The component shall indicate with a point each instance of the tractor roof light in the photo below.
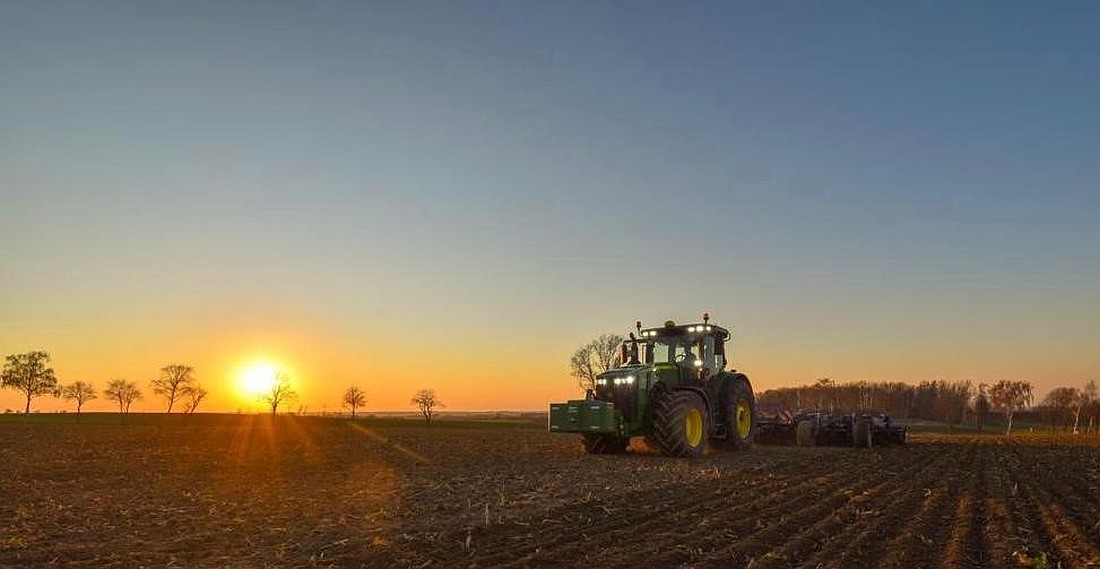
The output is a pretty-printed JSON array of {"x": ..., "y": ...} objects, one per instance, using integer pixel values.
[{"x": 706, "y": 318}]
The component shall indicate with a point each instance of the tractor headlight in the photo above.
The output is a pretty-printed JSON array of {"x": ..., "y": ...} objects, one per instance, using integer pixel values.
[
  {"x": 601, "y": 382},
  {"x": 698, "y": 363},
  {"x": 628, "y": 380}
]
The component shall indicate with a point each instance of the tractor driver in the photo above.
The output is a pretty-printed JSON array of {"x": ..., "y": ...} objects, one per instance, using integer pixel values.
[{"x": 688, "y": 357}]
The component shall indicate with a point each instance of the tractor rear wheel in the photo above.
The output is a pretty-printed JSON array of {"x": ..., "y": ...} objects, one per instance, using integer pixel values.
[
  {"x": 804, "y": 435},
  {"x": 605, "y": 444},
  {"x": 861, "y": 434},
  {"x": 739, "y": 412},
  {"x": 681, "y": 424}
]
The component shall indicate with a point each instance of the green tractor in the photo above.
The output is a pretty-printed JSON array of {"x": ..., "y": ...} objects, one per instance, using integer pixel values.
[{"x": 671, "y": 386}]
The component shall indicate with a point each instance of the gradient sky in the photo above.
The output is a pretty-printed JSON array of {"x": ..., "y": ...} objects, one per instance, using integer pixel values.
[{"x": 456, "y": 195}]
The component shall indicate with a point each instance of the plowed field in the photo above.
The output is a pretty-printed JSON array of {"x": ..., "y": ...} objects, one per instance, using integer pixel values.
[{"x": 255, "y": 491}]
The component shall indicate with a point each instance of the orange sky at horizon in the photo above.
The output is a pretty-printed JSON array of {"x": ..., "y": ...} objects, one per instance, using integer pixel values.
[{"x": 505, "y": 376}]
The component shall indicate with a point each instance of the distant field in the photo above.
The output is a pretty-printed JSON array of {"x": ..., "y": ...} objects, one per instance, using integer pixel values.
[{"x": 256, "y": 491}]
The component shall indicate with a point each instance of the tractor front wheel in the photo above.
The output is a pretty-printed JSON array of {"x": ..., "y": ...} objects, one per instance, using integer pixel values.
[
  {"x": 739, "y": 413},
  {"x": 681, "y": 424},
  {"x": 604, "y": 444}
]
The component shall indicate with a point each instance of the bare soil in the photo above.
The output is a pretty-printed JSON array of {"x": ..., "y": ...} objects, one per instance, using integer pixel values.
[{"x": 257, "y": 491}]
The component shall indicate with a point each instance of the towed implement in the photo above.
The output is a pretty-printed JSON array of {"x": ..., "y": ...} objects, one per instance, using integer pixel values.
[
  {"x": 670, "y": 386},
  {"x": 811, "y": 428}
]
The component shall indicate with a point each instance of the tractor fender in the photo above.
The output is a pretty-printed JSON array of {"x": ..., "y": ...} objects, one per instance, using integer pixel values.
[
  {"x": 702, "y": 393},
  {"x": 742, "y": 377},
  {"x": 727, "y": 378}
]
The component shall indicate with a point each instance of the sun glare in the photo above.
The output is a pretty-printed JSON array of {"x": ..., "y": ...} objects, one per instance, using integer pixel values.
[{"x": 258, "y": 379}]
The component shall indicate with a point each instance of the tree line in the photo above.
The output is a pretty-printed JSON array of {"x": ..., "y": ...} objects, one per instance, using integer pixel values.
[
  {"x": 31, "y": 374},
  {"x": 950, "y": 402}
]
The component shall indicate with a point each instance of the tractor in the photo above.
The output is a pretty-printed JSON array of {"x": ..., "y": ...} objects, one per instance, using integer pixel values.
[{"x": 669, "y": 385}]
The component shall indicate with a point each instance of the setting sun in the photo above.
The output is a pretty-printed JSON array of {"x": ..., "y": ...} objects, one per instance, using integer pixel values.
[{"x": 257, "y": 379}]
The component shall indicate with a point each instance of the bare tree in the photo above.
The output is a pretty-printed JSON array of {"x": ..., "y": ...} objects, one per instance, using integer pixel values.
[
  {"x": 79, "y": 391},
  {"x": 279, "y": 392},
  {"x": 594, "y": 358},
  {"x": 1088, "y": 400},
  {"x": 173, "y": 382},
  {"x": 824, "y": 390},
  {"x": 1061, "y": 402},
  {"x": 122, "y": 392},
  {"x": 354, "y": 398},
  {"x": 192, "y": 396},
  {"x": 951, "y": 400},
  {"x": 28, "y": 373},
  {"x": 981, "y": 406},
  {"x": 1010, "y": 396},
  {"x": 426, "y": 400}
]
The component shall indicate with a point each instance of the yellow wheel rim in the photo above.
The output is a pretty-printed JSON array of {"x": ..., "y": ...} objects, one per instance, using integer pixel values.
[
  {"x": 744, "y": 420},
  {"x": 693, "y": 427}
]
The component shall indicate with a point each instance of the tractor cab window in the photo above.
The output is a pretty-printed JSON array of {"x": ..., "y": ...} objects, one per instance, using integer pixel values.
[
  {"x": 677, "y": 350},
  {"x": 708, "y": 354},
  {"x": 664, "y": 350},
  {"x": 688, "y": 352}
]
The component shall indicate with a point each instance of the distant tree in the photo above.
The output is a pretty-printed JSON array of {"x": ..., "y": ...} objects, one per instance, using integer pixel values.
[
  {"x": 29, "y": 373},
  {"x": 594, "y": 358},
  {"x": 192, "y": 396},
  {"x": 354, "y": 398},
  {"x": 79, "y": 391},
  {"x": 427, "y": 401},
  {"x": 951, "y": 400},
  {"x": 1061, "y": 402},
  {"x": 122, "y": 392},
  {"x": 1010, "y": 396},
  {"x": 1088, "y": 400},
  {"x": 279, "y": 392},
  {"x": 173, "y": 382},
  {"x": 981, "y": 406},
  {"x": 825, "y": 396}
]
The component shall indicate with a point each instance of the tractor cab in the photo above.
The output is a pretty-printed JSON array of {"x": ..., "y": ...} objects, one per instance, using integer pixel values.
[{"x": 698, "y": 346}]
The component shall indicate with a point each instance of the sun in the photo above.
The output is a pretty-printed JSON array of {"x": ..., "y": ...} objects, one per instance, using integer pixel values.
[{"x": 258, "y": 379}]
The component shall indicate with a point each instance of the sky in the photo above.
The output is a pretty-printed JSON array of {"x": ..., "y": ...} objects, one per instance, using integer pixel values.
[{"x": 456, "y": 195}]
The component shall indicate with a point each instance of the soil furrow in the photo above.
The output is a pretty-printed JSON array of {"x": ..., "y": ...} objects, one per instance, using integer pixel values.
[
  {"x": 845, "y": 533},
  {"x": 664, "y": 510}
]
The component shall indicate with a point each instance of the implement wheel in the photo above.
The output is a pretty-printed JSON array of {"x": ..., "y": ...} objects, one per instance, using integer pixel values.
[
  {"x": 680, "y": 424},
  {"x": 739, "y": 412},
  {"x": 861, "y": 434},
  {"x": 804, "y": 435},
  {"x": 605, "y": 444}
]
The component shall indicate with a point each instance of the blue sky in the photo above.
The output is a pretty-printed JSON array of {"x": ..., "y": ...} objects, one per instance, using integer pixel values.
[{"x": 901, "y": 191}]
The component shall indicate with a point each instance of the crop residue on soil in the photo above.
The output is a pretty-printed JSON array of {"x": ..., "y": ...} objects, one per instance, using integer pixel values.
[{"x": 261, "y": 491}]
